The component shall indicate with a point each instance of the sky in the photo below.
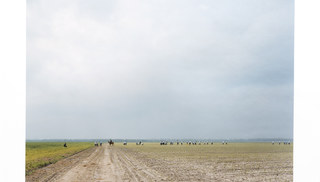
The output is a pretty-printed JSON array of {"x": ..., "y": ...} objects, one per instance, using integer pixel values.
[{"x": 160, "y": 69}]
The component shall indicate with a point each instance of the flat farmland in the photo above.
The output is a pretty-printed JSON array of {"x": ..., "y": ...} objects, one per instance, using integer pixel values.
[
  {"x": 231, "y": 162},
  {"x": 155, "y": 162}
]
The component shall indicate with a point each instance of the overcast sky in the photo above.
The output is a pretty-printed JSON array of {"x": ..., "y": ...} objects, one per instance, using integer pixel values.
[{"x": 159, "y": 69}]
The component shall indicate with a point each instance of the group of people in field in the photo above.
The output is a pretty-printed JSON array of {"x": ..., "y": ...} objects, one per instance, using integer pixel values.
[
  {"x": 97, "y": 144},
  {"x": 191, "y": 143},
  {"x": 285, "y": 143},
  {"x": 111, "y": 143},
  {"x": 100, "y": 143},
  {"x": 207, "y": 143}
]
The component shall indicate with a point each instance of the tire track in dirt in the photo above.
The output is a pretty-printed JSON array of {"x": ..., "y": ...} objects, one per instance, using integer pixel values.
[
  {"x": 132, "y": 169},
  {"x": 144, "y": 170},
  {"x": 127, "y": 170},
  {"x": 107, "y": 163},
  {"x": 93, "y": 168}
]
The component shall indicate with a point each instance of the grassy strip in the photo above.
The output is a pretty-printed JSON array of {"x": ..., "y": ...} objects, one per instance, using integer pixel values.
[{"x": 40, "y": 154}]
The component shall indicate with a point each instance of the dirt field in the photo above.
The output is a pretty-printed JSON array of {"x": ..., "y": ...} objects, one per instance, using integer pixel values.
[{"x": 152, "y": 162}]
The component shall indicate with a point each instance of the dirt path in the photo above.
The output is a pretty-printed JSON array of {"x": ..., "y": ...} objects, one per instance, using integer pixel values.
[
  {"x": 96, "y": 167},
  {"x": 98, "y": 164}
]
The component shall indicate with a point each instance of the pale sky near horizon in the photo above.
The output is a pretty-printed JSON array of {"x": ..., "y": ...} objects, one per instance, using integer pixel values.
[{"x": 160, "y": 69}]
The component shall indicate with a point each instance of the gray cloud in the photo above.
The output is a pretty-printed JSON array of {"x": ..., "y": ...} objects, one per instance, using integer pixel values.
[{"x": 154, "y": 69}]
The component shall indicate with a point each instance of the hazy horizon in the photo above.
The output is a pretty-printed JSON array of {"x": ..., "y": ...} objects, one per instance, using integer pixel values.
[
  {"x": 154, "y": 69},
  {"x": 168, "y": 139}
]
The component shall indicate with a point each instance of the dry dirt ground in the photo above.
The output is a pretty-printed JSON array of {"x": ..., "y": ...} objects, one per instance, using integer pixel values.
[
  {"x": 97, "y": 164},
  {"x": 111, "y": 163}
]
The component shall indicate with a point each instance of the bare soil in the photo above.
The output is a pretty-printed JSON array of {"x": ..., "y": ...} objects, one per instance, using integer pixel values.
[
  {"x": 110, "y": 163},
  {"x": 104, "y": 163}
]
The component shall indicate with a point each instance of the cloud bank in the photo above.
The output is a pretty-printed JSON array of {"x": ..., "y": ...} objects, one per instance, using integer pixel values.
[{"x": 159, "y": 69}]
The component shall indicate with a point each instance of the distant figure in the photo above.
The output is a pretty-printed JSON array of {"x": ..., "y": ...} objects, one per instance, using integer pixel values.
[
  {"x": 110, "y": 142},
  {"x": 272, "y": 142},
  {"x": 222, "y": 142},
  {"x": 65, "y": 144},
  {"x": 139, "y": 143},
  {"x": 100, "y": 143},
  {"x": 124, "y": 143}
]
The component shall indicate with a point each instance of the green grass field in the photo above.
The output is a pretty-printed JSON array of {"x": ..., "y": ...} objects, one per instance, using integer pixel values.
[{"x": 40, "y": 154}]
